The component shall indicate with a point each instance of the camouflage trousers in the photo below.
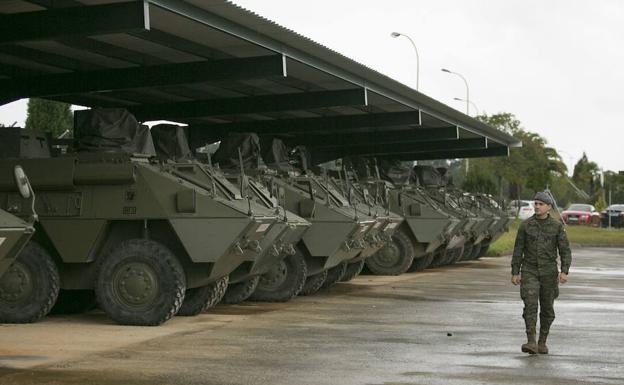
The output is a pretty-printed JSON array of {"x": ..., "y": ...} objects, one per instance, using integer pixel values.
[{"x": 539, "y": 291}]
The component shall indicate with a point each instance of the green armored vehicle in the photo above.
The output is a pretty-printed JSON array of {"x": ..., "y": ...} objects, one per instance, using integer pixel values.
[
  {"x": 338, "y": 230},
  {"x": 17, "y": 258},
  {"x": 14, "y": 232},
  {"x": 434, "y": 229},
  {"x": 139, "y": 232},
  {"x": 498, "y": 228},
  {"x": 368, "y": 193},
  {"x": 266, "y": 269},
  {"x": 473, "y": 227}
]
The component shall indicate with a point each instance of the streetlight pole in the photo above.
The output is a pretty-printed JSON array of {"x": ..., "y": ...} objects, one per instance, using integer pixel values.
[
  {"x": 471, "y": 103},
  {"x": 467, "y": 103},
  {"x": 467, "y": 88},
  {"x": 397, "y": 34}
]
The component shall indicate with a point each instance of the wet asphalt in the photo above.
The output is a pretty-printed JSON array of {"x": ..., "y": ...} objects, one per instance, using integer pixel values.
[{"x": 454, "y": 325}]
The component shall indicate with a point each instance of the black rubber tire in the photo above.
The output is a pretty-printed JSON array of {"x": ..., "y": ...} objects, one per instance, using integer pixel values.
[
  {"x": 483, "y": 251},
  {"x": 445, "y": 257},
  {"x": 152, "y": 258},
  {"x": 455, "y": 255},
  {"x": 403, "y": 253},
  {"x": 240, "y": 291},
  {"x": 353, "y": 270},
  {"x": 466, "y": 253},
  {"x": 74, "y": 302},
  {"x": 334, "y": 275},
  {"x": 438, "y": 257},
  {"x": 288, "y": 288},
  {"x": 313, "y": 283},
  {"x": 33, "y": 266},
  {"x": 475, "y": 252},
  {"x": 199, "y": 299},
  {"x": 420, "y": 264}
]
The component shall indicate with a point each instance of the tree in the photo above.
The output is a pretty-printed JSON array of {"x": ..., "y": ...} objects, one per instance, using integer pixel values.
[
  {"x": 49, "y": 116},
  {"x": 527, "y": 169},
  {"x": 586, "y": 175}
]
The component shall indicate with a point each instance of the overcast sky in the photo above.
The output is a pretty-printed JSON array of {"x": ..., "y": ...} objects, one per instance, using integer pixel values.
[{"x": 557, "y": 65}]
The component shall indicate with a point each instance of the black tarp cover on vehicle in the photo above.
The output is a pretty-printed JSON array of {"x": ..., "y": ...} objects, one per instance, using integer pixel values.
[
  {"x": 112, "y": 129},
  {"x": 227, "y": 155},
  {"x": 170, "y": 142}
]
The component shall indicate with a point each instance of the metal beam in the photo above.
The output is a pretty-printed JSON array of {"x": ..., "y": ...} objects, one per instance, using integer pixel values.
[
  {"x": 453, "y": 154},
  {"x": 321, "y": 155},
  {"x": 309, "y": 125},
  {"x": 139, "y": 77},
  {"x": 377, "y": 138},
  {"x": 251, "y": 104},
  {"x": 72, "y": 21},
  {"x": 326, "y": 62},
  {"x": 47, "y": 58}
]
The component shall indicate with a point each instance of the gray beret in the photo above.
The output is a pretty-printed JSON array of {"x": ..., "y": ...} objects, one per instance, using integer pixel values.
[{"x": 543, "y": 196}]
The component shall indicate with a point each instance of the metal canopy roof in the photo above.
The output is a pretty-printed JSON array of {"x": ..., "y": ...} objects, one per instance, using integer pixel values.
[{"x": 220, "y": 69}]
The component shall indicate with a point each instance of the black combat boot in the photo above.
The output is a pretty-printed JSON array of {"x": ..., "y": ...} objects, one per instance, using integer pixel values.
[
  {"x": 541, "y": 344},
  {"x": 531, "y": 346}
]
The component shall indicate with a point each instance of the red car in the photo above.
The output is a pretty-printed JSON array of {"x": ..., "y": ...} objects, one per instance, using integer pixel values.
[{"x": 581, "y": 214}]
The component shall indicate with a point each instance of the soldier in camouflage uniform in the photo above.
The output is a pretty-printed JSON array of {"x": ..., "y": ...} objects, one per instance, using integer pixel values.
[{"x": 534, "y": 267}]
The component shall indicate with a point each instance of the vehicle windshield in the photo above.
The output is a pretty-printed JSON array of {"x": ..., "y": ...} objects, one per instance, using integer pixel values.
[{"x": 586, "y": 208}]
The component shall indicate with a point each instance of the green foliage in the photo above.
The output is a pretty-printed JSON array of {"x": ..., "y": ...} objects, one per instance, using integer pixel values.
[
  {"x": 586, "y": 175},
  {"x": 49, "y": 116},
  {"x": 614, "y": 182},
  {"x": 600, "y": 203},
  {"x": 577, "y": 235},
  {"x": 478, "y": 182},
  {"x": 527, "y": 169}
]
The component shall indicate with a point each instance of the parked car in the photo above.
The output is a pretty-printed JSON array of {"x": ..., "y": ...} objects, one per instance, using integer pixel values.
[
  {"x": 616, "y": 213},
  {"x": 521, "y": 209},
  {"x": 580, "y": 214}
]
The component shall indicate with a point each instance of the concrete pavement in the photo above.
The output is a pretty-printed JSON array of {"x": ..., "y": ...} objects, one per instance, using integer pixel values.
[{"x": 454, "y": 325}]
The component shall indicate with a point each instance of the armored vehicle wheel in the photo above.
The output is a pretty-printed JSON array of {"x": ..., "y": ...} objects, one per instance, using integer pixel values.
[
  {"x": 29, "y": 288},
  {"x": 421, "y": 263},
  {"x": 438, "y": 256},
  {"x": 444, "y": 257},
  {"x": 240, "y": 291},
  {"x": 313, "y": 283},
  {"x": 353, "y": 270},
  {"x": 466, "y": 253},
  {"x": 140, "y": 282},
  {"x": 454, "y": 255},
  {"x": 74, "y": 302},
  {"x": 334, "y": 275},
  {"x": 483, "y": 251},
  {"x": 283, "y": 282},
  {"x": 200, "y": 299},
  {"x": 475, "y": 252},
  {"x": 394, "y": 258}
]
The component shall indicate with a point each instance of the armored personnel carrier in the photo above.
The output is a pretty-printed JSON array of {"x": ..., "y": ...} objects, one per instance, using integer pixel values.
[
  {"x": 337, "y": 232},
  {"x": 368, "y": 193},
  {"x": 15, "y": 232},
  {"x": 139, "y": 232},
  {"x": 277, "y": 254},
  {"x": 474, "y": 226},
  {"x": 18, "y": 258},
  {"x": 427, "y": 226},
  {"x": 498, "y": 228}
]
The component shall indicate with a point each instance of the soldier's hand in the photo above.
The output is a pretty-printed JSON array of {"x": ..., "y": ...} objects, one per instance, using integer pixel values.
[
  {"x": 515, "y": 279},
  {"x": 563, "y": 278}
]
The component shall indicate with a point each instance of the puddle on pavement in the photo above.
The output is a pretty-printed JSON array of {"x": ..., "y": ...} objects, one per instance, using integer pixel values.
[{"x": 597, "y": 270}]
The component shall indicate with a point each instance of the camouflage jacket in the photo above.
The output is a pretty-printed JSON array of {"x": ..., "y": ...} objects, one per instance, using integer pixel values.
[{"x": 536, "y": 247}]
